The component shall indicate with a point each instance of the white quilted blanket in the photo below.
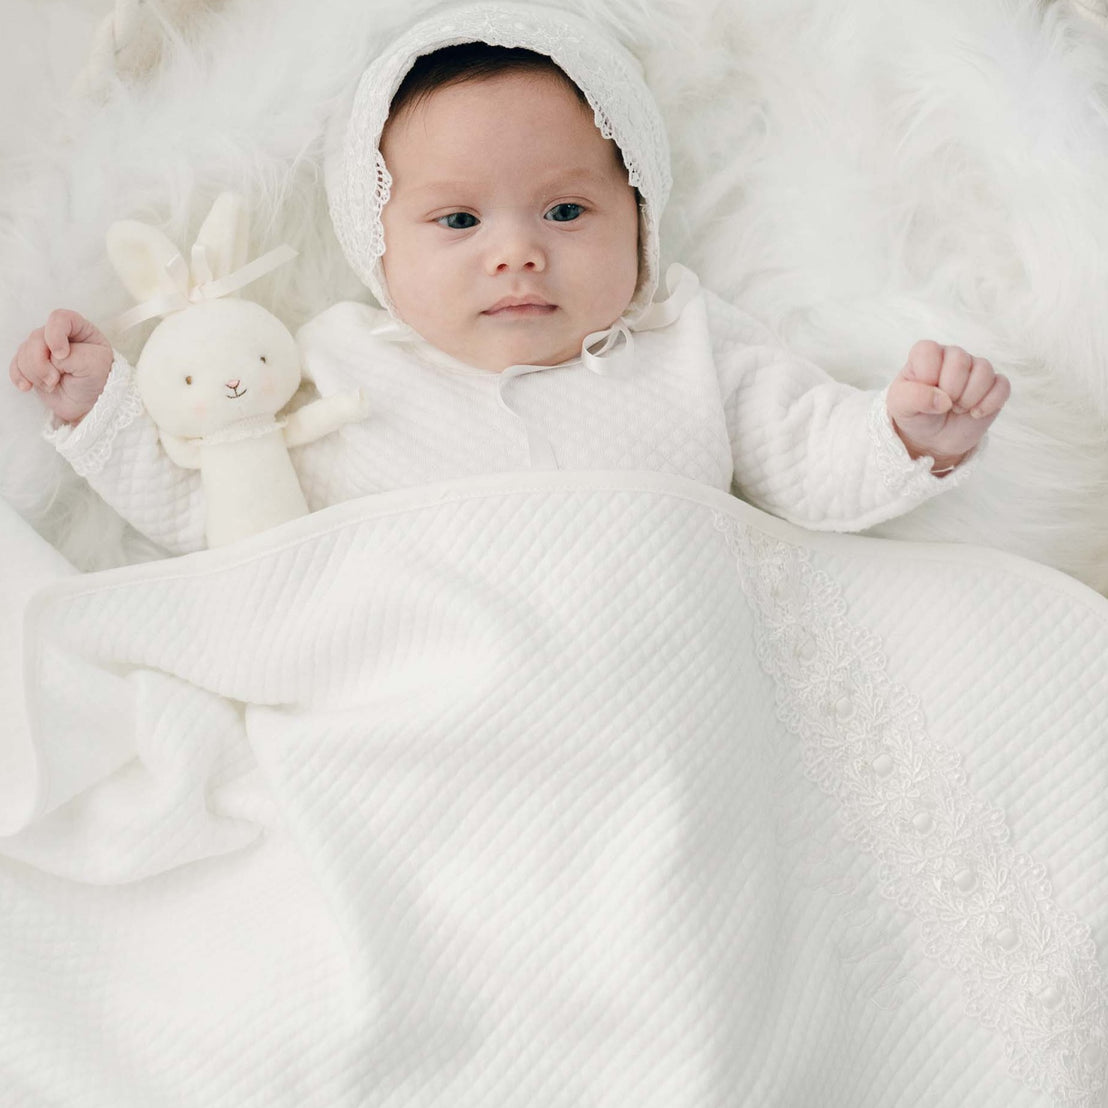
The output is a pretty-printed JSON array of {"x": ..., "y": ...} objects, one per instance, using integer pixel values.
[{"x": 553, "y": 790}]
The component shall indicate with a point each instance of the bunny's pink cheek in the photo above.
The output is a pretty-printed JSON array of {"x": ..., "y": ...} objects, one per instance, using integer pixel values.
[{"x": 200, "y": 409}]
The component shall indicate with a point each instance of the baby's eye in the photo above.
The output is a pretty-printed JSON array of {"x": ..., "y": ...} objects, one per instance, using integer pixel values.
[
  {"x": 458, "y": 221},
  {"x": 564, "y": 213}
]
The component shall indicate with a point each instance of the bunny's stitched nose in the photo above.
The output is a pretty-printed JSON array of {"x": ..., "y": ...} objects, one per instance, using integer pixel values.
[{"x": 233, "y": 389}]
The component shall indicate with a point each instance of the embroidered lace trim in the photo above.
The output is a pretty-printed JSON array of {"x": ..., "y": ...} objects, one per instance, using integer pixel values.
[
  {"x": 88, "y": 445},
  {"x": 900, "y": 473},
  {"x": 359, "y": 184},
  {"x": 1028, "y": 968}
]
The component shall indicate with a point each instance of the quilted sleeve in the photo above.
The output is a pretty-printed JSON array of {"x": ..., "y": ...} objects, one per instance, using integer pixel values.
[
  {"x": 807, "y": 448},
  {"x": 116, "y": 449}
]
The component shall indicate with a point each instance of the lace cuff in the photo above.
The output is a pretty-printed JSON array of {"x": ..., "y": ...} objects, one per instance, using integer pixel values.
[
  {"x": 906, "y": 476},
  {"x": 88, "y": 445}
]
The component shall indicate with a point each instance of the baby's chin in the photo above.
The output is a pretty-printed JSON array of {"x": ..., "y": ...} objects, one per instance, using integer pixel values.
[
  {"x": 497, "y": 357},
  {"x": 494, "y": 346}
]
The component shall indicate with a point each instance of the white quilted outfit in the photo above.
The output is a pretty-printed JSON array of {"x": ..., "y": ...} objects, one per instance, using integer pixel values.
[{"x": 684, "y": 384}]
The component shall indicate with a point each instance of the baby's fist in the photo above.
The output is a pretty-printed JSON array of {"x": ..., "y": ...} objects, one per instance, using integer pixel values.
[
  {"x": 943, "y": 400},
  {"x": 66, "y": 362}
]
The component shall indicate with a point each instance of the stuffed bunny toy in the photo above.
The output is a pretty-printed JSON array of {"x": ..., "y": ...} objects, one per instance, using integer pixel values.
[{"x": 216, "y": 371}]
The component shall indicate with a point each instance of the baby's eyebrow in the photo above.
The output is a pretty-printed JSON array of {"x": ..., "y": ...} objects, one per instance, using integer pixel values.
[
  {"x": 440, "y": 186},
  {"x": 573, "y": 176},
  {"x": 557, "y": 182}
]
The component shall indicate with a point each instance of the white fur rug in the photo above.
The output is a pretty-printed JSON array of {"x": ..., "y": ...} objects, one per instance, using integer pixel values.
[{"x": 857, "y": 174}]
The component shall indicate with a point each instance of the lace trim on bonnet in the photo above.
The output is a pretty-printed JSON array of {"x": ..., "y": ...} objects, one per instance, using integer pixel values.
[{"x": 358, "y": 181}]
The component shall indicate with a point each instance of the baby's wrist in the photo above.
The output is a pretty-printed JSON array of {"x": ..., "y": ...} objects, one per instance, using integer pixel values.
[
  {"x": 68, "y": 415},
  {"x": 940, "y": 467},
  {"x": 68, "y": 411},
  {"x": 940, "y": 463}
]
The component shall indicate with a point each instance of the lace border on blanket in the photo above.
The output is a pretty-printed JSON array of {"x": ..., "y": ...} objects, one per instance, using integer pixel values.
[{"x": 1028, "y": 969}]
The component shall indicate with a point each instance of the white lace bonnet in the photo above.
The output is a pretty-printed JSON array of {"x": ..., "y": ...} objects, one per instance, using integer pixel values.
[{"x": 358, "y": 182}]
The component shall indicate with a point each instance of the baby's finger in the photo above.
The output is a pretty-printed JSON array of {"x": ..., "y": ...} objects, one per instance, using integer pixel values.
[
  {"x": 17, "y": 377},
  {"x": 981, "y": 378},
  {"x": 925, "y": 361},
  {"x": 995, "y": 399},
  {"x": 955, "y": 373},
  {"x": 87, "y": 360},
  {"x": 64, "y": 327},
  {"x": 33, "y": 360},
  {"x": 906, "y": 399}
]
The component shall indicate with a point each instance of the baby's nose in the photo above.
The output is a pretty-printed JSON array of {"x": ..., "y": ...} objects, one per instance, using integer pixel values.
[
  {"x": 506, "y": 267},
  {"x": 516, "y": 250}
]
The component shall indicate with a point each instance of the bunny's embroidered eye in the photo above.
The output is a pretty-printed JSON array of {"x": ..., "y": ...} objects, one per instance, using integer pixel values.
[
  {"x": 188, "y": 380},
  {"x": 263, "y": 359}
]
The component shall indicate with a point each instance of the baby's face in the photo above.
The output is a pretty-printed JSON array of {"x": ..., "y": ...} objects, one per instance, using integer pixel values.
[{"x": 511, "y": 232}]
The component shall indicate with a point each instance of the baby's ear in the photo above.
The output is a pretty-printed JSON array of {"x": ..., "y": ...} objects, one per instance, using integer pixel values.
[
  {"x": 225, "y": 235},
  {"x": 140, "y": 254}
]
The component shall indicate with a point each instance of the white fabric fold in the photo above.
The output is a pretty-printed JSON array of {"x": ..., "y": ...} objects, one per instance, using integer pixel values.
[{"x": 31, "y": 781}]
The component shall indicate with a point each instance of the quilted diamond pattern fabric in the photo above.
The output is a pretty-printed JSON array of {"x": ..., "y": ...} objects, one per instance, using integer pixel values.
[
  {"x": 551, "y": 789},
  {"x": 709, "y": 396}
]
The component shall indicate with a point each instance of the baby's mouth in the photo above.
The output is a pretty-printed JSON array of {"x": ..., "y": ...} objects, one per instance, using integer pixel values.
[{"x": 513, "y": 306}]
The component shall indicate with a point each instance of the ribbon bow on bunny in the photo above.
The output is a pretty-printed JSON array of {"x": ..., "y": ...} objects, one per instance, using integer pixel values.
[
  {"x": 194, "y": 283},
  {"x": 216, "y": 371},
  {"x": 156, "y": 273}
]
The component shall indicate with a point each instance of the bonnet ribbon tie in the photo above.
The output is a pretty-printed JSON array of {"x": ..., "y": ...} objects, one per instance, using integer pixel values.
[
  {"x": 613, "y": 348},
  {"x": 186, "y": 292},
  {"x": 538, "y": 445},
  {"x": 606, "y": 352}
]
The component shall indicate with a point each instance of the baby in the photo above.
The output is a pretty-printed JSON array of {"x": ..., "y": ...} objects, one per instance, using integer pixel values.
[{"x": 498, "y": 187}]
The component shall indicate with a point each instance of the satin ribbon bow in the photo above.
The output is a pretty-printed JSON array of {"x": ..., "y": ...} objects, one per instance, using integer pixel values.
[{"x": 194, "y": 284}]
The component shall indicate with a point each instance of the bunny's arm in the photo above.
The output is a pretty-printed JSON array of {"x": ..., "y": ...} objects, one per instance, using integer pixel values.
[
  {"x": 182, "y": 452},
  {"x": 325, "y": 415},
  {"x": 116, "y": 449}
]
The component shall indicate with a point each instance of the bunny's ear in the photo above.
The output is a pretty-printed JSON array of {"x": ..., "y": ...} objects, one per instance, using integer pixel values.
[
  {"x": 225, "y": 235},
  {"x": 140, "y": 255}
]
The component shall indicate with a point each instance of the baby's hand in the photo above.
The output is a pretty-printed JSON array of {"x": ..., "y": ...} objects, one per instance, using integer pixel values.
[
  {"x": 943, "y": 401},
  {"x": 66, "y": 362}
]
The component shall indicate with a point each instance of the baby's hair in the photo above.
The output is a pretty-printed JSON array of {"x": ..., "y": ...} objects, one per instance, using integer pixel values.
[{"x": 470, "y": 61}]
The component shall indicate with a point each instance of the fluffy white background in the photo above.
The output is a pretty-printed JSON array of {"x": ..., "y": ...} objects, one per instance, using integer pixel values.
[{"x": 857, "y": 173}]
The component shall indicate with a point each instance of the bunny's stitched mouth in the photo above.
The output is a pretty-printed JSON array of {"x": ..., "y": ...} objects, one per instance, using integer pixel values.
[{"x": 235, "y": 393}]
